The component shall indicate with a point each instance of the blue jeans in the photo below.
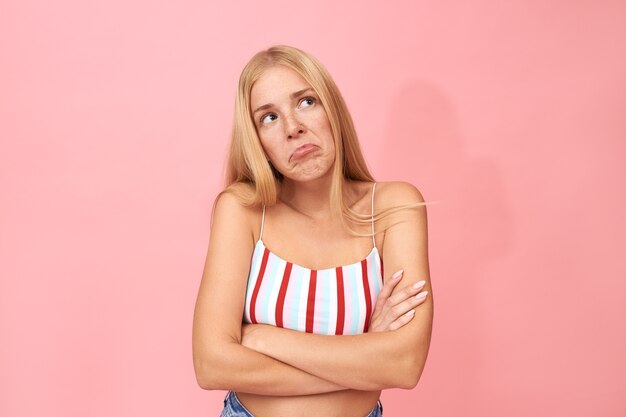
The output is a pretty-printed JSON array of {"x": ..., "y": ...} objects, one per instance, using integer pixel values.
[{"x": 234, "y": 408}]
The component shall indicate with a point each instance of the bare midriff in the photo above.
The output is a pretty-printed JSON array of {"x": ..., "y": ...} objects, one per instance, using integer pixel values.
[{"x": 345, "y": 403}]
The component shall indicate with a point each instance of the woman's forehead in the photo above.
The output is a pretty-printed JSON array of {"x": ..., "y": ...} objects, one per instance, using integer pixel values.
[{"x": 276, "y": 83}]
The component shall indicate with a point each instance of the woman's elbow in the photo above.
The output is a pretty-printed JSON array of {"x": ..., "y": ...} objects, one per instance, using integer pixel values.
[
  {"x": 404, "y": 375},
  {"x": 210, "y": 369},
  {"x": 413, "y": 352},
  {"x": 206, "y": 374},
  {"x": 409, "y": 366},
  {"x": 413, "y": 371},
  {"x": 203, "y": 382},
  {"x": 410, "y": 380}
]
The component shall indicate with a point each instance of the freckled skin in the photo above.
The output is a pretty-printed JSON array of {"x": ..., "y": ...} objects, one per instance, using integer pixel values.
[{"x": 292, "y": 122}]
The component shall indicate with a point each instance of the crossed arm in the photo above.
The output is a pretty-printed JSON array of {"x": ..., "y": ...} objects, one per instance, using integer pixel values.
[
  {"x": 269, "y": 360},
  {"x": 368, "y": 362}
]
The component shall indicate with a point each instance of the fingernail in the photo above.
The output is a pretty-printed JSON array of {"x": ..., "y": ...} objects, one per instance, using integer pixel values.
[
  {"x": 397, "y": 274},
  {"x": 421, "y": 295},
  {"x": 410, "y": 313},
  {"x": 419, "y": 284}
]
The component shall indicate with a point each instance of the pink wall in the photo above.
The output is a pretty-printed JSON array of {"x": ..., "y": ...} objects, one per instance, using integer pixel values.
[{"x": 114, "y": 119}]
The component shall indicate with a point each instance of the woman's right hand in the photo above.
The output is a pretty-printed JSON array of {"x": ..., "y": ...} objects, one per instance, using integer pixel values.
[{"x": 393, "y": 312}]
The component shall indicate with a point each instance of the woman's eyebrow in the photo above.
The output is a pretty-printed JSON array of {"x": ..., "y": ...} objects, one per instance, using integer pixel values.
[{"x": 293, "y": 95}]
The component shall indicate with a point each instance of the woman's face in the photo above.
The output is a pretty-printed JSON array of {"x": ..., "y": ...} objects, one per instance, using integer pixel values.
[{"x": 292, "y": 125}]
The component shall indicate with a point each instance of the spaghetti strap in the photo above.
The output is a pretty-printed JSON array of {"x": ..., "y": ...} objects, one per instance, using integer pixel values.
[
  {"x": 262, "y": 221},
  {"x": 373, "y": 240}
]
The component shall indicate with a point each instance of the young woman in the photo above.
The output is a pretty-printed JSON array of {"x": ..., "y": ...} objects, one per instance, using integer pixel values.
[{"x": 297, "y": 315}]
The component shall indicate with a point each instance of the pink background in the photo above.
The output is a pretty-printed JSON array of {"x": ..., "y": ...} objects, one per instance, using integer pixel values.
[{"x": 114, "y": 120}]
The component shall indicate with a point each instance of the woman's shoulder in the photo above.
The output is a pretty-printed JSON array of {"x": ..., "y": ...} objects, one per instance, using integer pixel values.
[
  {"x": 390, "y": 194},
  {"x": 235, "y": 196},
  {"x": 230, "y": 205},
  {"x": 399, "y": 203}
]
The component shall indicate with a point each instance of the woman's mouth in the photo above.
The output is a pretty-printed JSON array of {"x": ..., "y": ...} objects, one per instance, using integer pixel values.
[{"x": 302, "y": 150}]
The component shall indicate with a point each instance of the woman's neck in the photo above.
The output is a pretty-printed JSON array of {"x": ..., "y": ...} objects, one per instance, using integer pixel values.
[{"x": 311, "y": 198}]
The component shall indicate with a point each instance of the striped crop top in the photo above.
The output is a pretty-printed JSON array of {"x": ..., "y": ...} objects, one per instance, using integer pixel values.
[{"x": 332, "y": 301}]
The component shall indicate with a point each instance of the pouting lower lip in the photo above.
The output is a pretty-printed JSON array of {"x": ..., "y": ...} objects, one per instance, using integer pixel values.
[{"x": 302, "y": 150}]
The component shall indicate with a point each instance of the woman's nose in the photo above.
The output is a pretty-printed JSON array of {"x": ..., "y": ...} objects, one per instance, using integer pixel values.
[{"x": 293, "y": 127}]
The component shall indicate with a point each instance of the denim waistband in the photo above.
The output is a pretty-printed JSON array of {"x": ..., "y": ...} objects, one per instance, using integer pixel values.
[{"x": 234, "y": 408}]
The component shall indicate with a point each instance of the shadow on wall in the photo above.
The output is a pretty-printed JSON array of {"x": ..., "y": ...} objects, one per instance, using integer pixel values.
[{"x": 469, "y": 226}]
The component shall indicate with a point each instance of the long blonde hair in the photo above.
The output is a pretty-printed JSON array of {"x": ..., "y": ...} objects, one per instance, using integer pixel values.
[{"x": 250, "y": 176}]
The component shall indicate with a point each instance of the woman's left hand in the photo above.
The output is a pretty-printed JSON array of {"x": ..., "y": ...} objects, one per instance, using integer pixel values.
[{"x": 394, "y": 311}]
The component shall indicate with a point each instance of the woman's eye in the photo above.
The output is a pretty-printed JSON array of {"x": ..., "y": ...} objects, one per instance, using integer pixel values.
[
  {"x": 309, "y": 100},
  {"x": 264, "y": 118}
]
